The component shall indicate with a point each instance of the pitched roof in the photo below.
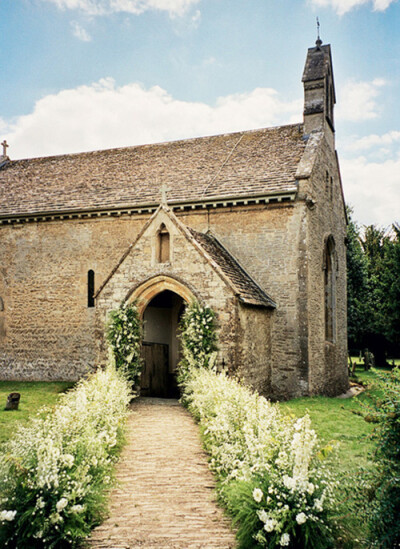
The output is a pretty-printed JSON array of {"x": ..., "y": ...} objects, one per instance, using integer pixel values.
[
  {"x": 246, "y": 288},
  {"x": 250, "y": 163}
]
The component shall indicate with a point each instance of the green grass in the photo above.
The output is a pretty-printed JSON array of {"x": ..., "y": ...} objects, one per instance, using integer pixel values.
[
  {"x": 391, "y": 361},
  {"x": 34, "y": 395}
]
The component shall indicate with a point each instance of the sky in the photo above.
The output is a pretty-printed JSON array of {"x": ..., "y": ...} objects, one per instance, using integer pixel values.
[{"x": 82, "y": 75}]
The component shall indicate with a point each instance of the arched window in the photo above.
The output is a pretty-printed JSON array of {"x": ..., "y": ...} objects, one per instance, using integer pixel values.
[
  {"x": 90, "y": 288},
  {"x": 330, "y": 289},
  {"x": 163, "y": 245}
]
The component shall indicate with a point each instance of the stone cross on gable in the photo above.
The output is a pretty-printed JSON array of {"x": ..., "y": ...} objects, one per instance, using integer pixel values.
[
  {"x": 5, "y": 145},
  {"x": 164, "y": 190}
]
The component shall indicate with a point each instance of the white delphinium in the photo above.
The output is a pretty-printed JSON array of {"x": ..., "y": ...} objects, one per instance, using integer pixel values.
[
  {"x": 7, "y": 516},
  {"x": 47, "y": 453},
  {"x": 248, "y": 436},
  {"x": 61, "y": 504},
  {"x": 301, "y": 518},
  {"x": 285, "y": 540}
]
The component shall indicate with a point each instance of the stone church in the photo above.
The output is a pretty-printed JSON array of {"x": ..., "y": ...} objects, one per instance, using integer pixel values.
[{"x": 252, "y": 224}]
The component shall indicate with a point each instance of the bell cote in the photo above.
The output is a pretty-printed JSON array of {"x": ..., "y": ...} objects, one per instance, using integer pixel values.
[{"x": 319, "y": 91}]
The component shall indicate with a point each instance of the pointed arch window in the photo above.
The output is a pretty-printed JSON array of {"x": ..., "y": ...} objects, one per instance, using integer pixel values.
[
  {"x": 90, "y": 288},
  {"x": 330, "y": 289},
  {"x": 163, "y": 245}
]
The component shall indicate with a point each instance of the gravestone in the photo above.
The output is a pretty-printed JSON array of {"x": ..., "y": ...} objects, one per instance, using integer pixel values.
[{"x": 12, "y": 401}]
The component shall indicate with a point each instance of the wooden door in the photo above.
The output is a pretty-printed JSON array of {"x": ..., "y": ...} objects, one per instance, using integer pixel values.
[{"x": 154, "y": 378}]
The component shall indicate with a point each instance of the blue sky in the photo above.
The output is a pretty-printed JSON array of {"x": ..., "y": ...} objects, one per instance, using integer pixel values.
[{"x": 80, "y": 75}]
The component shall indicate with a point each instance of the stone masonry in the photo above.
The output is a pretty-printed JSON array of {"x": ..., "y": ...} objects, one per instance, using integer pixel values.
[{"x": 269, "y": 200}]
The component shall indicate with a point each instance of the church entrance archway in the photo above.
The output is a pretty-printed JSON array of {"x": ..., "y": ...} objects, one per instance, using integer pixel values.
[{"x": 161, "y": 345}]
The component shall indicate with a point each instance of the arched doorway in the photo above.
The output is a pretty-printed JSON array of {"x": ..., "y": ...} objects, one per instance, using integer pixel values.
[{"x": 161, "y": 345}]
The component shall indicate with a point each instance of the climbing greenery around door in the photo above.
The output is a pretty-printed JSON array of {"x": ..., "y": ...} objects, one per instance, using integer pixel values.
[
  {"x": 124, "y": 335},
  {"x": 272, "y": 473},
  {"x": 55, "y": 472},
  {"x": 198, "y": 339}
]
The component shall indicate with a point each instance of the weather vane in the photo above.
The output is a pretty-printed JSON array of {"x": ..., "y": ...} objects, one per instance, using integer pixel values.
[{"x": 319, "y": 41}]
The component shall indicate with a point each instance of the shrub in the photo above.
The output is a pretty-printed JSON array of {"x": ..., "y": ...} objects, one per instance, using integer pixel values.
[
  {"x": 54, "y": 473},
  {"x": 124, "y": 335},
  {"x": 385, "y": 508},
  {"x": 271, "y": 473}
]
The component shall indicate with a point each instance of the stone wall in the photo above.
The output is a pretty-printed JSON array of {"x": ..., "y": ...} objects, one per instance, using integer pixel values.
[
  {"x": 48, "y": 330},
  {"x": 325, "y": 217},
  {"x": 254, "y": 347}
]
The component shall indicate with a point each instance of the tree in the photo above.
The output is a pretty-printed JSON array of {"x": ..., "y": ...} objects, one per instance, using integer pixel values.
[
  {"x": 373, "y": 289},
  {"x": 357, "y": 286},
  {"x": 390, "y": 280}
]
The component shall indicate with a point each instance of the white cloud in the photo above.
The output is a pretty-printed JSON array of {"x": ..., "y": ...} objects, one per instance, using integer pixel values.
[
  {"x": 343, "y": 6},
  {"x": 375, "y": 141},
  {"x": 357, "y": 100},
  {"x": 373, "y": 188},
  {"x": 104, "y": 115},
  {"x": 136, "y": 7},
  {"x": 80, "y": 32}
]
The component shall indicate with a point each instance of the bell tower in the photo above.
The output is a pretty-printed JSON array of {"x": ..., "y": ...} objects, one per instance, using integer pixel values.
[{"x": 319, "y": 92}]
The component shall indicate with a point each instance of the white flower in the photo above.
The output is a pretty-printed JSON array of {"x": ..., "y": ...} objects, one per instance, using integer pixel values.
[
  {"x": 77, "y": 508},
  {"x": 40, "y": 503},
  {"x": 257, "y": 495},
  {"x": 263, "y": 515},
  {"x": 55, "y": 517},
  {"x": 285, "y": 540},
  {"x": 7, "y": 515},
  {"x": 61, "y": 504},
  {"x": 269, "y": 526},
  {"x": 68, "y": 460},
  {"x": 301, "y": 518},
  {"x": 318, "y": 504}
]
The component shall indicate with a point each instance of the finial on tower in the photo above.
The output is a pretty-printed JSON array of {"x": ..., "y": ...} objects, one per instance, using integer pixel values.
[{"x": 318, "y": 41}]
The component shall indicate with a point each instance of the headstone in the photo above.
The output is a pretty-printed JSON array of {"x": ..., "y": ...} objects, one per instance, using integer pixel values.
[{"x": 12, "y": 401}]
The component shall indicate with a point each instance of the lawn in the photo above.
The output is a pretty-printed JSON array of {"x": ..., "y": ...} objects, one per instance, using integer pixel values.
[
  {"x": 34, "y": 395},
  {"x": 339, "y": 420}
]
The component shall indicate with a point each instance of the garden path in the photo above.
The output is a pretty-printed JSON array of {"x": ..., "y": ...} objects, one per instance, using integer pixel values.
[{"x": 165, "y": 498}]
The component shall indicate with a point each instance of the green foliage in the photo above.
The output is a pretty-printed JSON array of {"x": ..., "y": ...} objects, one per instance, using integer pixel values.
[
  {"x": 55, "y": 472},
  {"x": 385, "y": 513},
  {"x": 341, "y": 421},
  {"x": 124, "y": 334},
  {"x": 273, "y": 476},
  {"x": 373, "y": 287},
  {"x": 357, "y": 286},
  {"x": 199, "y": 339},
  {"x": 252, "y": 533}
]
